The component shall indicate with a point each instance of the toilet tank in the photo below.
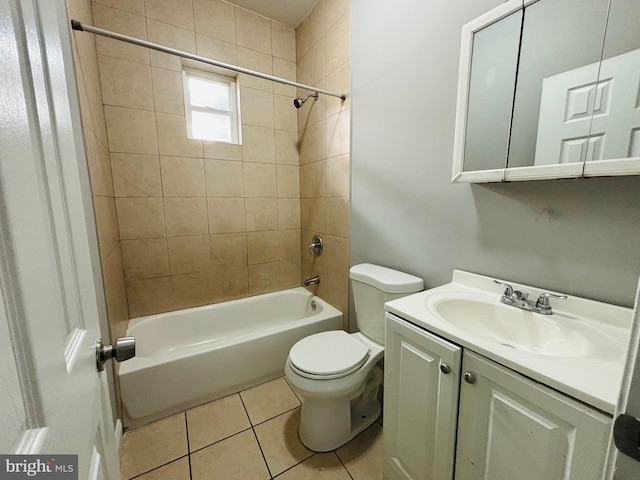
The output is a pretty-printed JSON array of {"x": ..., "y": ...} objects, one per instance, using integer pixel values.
[{"x": 372, "y": 287}]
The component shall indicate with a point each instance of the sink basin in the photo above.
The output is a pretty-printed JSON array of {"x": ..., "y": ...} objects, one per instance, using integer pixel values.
[{"x": 489, "y": 320}]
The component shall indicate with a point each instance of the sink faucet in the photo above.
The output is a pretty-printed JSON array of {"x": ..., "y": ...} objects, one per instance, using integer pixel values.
[
  {"x": 312, "y": 281},
  {"x": 518, "y": 299}
]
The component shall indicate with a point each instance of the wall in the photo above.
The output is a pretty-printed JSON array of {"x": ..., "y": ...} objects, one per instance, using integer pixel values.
[
  {"x": 323, "y": 60},
  {"x": 199, "y": 222},
  {"x": 575, "y": 236}
]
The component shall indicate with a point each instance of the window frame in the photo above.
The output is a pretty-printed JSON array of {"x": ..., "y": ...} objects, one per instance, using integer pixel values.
[{"x": 234, "y": 103}]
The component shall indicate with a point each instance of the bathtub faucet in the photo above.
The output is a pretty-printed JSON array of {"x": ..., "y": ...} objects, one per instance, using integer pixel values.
[{"x": 312, "y": 281}]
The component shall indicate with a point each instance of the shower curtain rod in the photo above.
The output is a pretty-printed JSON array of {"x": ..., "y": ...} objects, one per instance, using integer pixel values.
[{"x": 76, "y": 25}]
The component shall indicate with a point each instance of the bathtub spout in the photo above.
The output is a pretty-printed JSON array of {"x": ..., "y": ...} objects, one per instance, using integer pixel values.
[{"x": 312, "y": 281}]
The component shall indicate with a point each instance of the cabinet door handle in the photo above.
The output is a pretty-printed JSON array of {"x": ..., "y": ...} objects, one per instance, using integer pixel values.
[
  {"x": 469, "y": 377},
  {"x": 444, "y": 368}
]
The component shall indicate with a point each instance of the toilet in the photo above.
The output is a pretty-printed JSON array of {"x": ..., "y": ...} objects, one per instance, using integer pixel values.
[{"x": 337, "y": 374}]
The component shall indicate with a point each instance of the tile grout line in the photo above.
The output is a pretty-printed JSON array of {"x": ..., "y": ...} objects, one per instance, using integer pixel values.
[
  {"x": 264, "y": 458},
  {"x": 335, "y": 452},
  {"x": 186, "y": 426}
]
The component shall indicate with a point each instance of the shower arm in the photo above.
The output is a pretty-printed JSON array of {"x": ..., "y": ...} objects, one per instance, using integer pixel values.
[{"x": 76, "y": 25}]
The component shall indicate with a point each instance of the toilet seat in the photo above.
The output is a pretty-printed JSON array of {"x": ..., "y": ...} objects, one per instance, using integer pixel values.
[{"x": 328, "y": 355}]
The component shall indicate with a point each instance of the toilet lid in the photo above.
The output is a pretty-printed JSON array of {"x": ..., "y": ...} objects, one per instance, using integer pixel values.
[{"x": 328, "y": 354}]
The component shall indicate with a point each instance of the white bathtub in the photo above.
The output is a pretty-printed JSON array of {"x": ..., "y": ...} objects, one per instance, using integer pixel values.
[{"x": 189, "y": 357}]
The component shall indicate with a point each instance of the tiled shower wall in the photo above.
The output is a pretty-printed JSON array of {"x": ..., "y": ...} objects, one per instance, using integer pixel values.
[
  {"x": 323, "y": 60},
  {"x": 199, "y": 222}
]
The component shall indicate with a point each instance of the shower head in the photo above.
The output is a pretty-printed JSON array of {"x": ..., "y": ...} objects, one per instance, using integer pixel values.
[{"x": 298, "y": 102}]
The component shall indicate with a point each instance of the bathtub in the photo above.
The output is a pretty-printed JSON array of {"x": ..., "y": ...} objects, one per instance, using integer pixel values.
[{"x": 189, "y": 357}]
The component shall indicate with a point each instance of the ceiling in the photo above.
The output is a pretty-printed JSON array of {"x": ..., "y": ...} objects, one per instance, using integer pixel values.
[{"x": 289, "y": 12}]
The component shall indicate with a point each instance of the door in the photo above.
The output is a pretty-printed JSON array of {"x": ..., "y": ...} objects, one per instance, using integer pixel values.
[
  {"x": 52, "y": 399},
  {"x": 510, "y": 427},
  {"x": 422, "y": 378}
]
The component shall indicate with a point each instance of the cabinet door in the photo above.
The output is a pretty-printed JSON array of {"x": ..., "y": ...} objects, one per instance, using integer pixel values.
[
  {"x": 420, "y": 403},
  {"x": 510, "y": 427}
]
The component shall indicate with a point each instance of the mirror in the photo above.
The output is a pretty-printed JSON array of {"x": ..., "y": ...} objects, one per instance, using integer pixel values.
[{"x": 543, "y": 93}]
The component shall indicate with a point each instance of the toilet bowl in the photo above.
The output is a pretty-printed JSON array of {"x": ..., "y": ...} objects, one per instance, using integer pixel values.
[{"x": 336, "y": 374}]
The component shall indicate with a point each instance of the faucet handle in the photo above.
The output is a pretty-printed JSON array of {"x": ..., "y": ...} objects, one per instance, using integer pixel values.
[
  {"x": 543, "y": 300},
  {"x": 508, "y": 291}
]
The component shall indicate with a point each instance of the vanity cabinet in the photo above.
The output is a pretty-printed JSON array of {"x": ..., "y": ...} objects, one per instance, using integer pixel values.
[{"x": 446, "y": 406}]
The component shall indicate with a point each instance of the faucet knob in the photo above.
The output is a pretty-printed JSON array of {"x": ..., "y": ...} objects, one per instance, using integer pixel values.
[
  {"x": 543, "y": 300},
  {"x": 508, "y": 291}
]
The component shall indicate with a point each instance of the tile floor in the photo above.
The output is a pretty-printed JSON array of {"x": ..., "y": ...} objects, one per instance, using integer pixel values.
[{"x": 252, "y": 435}]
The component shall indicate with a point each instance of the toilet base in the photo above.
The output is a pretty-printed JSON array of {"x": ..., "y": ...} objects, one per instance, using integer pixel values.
[{"x": 326, "y": 424}]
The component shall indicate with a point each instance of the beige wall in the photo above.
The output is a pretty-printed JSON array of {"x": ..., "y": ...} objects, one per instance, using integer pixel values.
[
  {"x": 199, "y": 222},
  {"x": 323, "y": 60}
]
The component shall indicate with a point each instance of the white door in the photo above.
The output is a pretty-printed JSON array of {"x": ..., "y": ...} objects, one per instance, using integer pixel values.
[
  {"x": 52, "y": 399},
  {"x": 510, "y": 427},
  {"x": 422, "y": 380}
]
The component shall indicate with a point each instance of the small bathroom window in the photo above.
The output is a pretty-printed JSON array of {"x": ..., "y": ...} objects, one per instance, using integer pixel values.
[{"x": 211, "y": 105}]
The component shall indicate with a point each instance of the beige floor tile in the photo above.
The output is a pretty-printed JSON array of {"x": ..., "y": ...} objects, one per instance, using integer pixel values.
[
  {"x": 237, "y": 457},
  {"x": 216, "y": 420},
  {"x": 280, "y": 443},
  {"x": 152, "y": 445},
  {"x": 363, "y": 456},
  {"x": 268, "y": 400},
  {"x": 323, "y": 466},
  {"x": 178, "y": 470}
]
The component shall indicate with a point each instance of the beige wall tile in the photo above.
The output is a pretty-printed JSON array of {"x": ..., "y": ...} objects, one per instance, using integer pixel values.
[
  {"x": 215, "y": 18},
  {"x": 313, "y": 214},
  {"x": 259, "y": 179},
  {"x": 286, "y": 148},
  {"x": 182, "y": 177},
  {"x": 226, "y": 215},
  {"x": 311, "y": 68},
  {"x": 228, "y": 250},
  {"x": 169, "y": 11},
  {"x": 315, "y": 110},
  {"x": 131, "y": 130},
  {"x": 313, "y": 179},
  {"x": 262, "y": 214},
  {"x": 172, "y": 137},
  {"x": 264, "y": 278},
  {"x": 99, "y": 164},
  {"x": 188, "y": 254},
  {"x": 283, "y": 41},
  {"x": 253, "y": 31},
  {"x": 191, "y": 290},
  {"x": 123, "y": 22},
  {"x": 338, "y": 216},
  {"x": 222, "y": 151},
  {"x": 257, "y": 107},
  {"x": 153, "y": 445},
  {"x": 227, "y": 415},
  {"x": 217, "y": 49},
  {"x": 262, "y": 247},
  {"x": 288, "y": 177},
  {"x": 140, "y": 218},
  {"x": 285, "y": 117},
  {"x": 337, "y": 293},
  {"x": 313, "y": 143},
  {"x": 136, "y": 175},
  {"x": 115, "y": 293},
  {"x": 338, "y": 175},
  {"x": 230, "y": 283},
  {"x": 258, "y": 144},
  {"x": 310, "y": 31},
  {"x": 339, "y": 81},
  {"x": 236, "y": 457},
  {"x": 280, "y": 443},
  {"x": 336, "y": 250},
  {"x": 176, "y": 470},
  {"x": 288, "y": 213},
  {"x": 147, "y": 297},
  {"x": 145, "y": 258},
  {"x": 338, "y": 133},
  {"x": 287, "y": 70},
  {"x": 289, "y": 245},
  {"x": 106, "y": 224},
  {"x": 168, "y": 93},
  {"x": 224, "y": 178},
  {"x": 289, "y": 273},
  {"x": 258, "y": 61},
  {"x": 338, "y": 43},
  {"x": 125, "y": 83},
  {"x": 335, "y": 9},
  {"x": 169, "y": 36},
  {"x": 186, "y": 216},
  {"x": 135, "y": 6}
]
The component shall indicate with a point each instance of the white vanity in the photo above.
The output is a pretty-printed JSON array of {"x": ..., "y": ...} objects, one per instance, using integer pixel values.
[{"x": 475, "y": 388}]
